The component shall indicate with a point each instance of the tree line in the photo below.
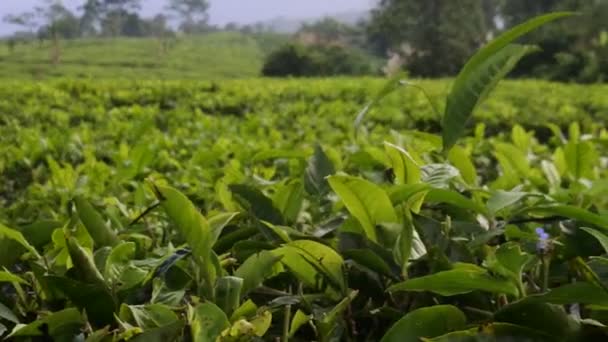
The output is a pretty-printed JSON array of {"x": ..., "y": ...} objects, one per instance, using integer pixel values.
[
  {"x": 434, "y": 38},
  {"x": 110, "y": 18}
]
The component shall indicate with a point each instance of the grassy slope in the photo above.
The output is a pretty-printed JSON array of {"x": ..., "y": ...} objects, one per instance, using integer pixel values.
[{"x": 212, "y": 56}]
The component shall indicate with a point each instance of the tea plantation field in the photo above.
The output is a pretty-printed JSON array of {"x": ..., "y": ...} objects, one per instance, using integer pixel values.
[
  {"x": 217, "y": 55},
  {"x": 253, "y": 211}
]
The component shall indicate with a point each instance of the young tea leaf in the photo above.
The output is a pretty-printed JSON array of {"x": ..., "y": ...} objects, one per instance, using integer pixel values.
[
  {"x": 97, "y": 228},
  {"x": 195, "y": 229},
  {"x": 482, "y": 73}
]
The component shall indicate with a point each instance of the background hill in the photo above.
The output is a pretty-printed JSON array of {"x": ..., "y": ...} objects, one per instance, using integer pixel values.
[{"x": 209, "y": 56}]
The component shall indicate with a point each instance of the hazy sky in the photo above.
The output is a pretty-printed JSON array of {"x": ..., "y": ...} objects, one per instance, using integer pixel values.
[{"x": 222, "y": 11}]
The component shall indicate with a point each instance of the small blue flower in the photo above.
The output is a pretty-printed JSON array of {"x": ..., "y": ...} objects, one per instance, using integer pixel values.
[{"x": 543, "y": 239}]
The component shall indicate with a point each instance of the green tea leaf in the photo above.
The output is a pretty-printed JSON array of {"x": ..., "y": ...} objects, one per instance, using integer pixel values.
[
  {"x": 581, "y": 158},
  {"x": 412, "y": 195},
  {"x": 503, "y": 199},
  {"x": 119, "y": 269},
  {"x": 289, "y": 199},
  {"x": 457, "y": 281},
  {"x": 511, "y": 257},
  {"x": 195, "y": 229},
  {"x": 476, "y": 80},
  {"x": 306, "y": 258},
  {"x": 367, "y": 202},
  {"x": 409, "y": 246},
  {"x": 482, "y": 73},
  {"x": 319, "y": 168},
  {"x": 579, "y": 292},
  {"x": 148, "y": 316},
  {"x": 218, "y": 222},
  {"x": 7, "y": 314},
  {"x": 60, "y": 325},
  {"x": 495, "y": 332},
  {"x": 600, "y": 237},
  {"x": 95, "y": 299},
  {"x": 426, "y": 323},
  {"x": 406, "y": 169},
  {"x": 228, "y": 293},
  {"x": 261, "y": 323},
  {"x": 84, "y": 264},
  {"x": 165, "y": 333},
  {"x": 208, "y": 322},
  {"x": 461, "y": 159},
  {"x": 10, "y": 278},
  {"x": 572, "y": 212},
  {"x": 247, "y": 309},
  {"x": 439, "y": 176},
  {"x": 453, "y": 198},
  {"x": 14, "y": 235},
  {"x": 97, "y": 228},
  {"x": 257, "y": 203},
  {"x": 547, "y": 318},
  {"x": 298, "y": 321},
  {"x": 329, "y": 323},
  {"x": 256, "y": 269}
]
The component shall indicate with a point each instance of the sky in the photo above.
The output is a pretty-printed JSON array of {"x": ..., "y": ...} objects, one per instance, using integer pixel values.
[{"x": 221, "y": 11}]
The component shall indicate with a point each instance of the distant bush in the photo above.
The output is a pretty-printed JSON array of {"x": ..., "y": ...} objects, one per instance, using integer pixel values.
[{"x": 301, "y": 61}]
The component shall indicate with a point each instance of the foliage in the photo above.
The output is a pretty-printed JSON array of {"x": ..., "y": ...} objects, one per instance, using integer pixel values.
[
  {"x": 573, "y": 51},
  {"x": 180, "y": 215},
  {"x": 192, "y": 13},
  {"x": 299, "y": 60},
  {"x": 435, "y": 37}
]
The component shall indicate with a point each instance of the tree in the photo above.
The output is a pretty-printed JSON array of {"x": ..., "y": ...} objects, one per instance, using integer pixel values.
[
  {"x": 91, "y": 15},
  {"x": 25, "y": 19},
  {"x": 59, "y": 21},
  {"x": 570, "y": 50},
  {"x": 315, "y": 60},
  {"x": 435, "y": 36},
  {"x": 119, "y": 17},
  {"x": 192, "y": 14}
]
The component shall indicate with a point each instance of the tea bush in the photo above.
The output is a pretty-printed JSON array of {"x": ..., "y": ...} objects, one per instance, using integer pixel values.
[{"x": 250, "y": 210}]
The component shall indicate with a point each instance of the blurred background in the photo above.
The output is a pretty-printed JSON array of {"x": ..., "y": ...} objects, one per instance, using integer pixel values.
[{"x": 218, "y": 39}]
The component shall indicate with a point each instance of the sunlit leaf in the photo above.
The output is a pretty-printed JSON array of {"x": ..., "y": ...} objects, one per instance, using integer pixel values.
[
  {"x": 366, "y": 201},
  {"x": 406, "y": 169},
  {"x": 256, "y": 269},
  {"x": 457, "y": 281},
  {"x": 194, "y": 228},
  {"x": 208, "y": 322}
]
